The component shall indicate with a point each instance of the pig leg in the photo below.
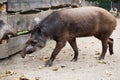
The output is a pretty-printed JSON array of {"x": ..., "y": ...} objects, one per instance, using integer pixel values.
[
  {"x": 110, "y": 43},
  {"x": 73, "y": 44},
  {"x": 57, "y": 49},
  {"x": 104, "y": 49}
]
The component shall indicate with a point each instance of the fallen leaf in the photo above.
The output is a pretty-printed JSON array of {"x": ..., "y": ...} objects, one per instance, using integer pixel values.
[
  {"x": 63, "y": 51},
  {"x": 22, "y": 77},
  {"x": 79, "y": 49},
  {"x": 73, "y": 69},
  {"x": 4, "y": 42},
  {"x": 103, "y": 62},
  {"x": 37, "y": 78},
  {"x": 7, "y": 73},
  {"x": 71, "y": 54},
  {"x": 85, "y": 47},
  {"x": 83, "y": 57},
  {"x": 3, "y": 75},
  {"x": 45, "y": 59},
  {"x": 97, "y": 52},
  {"x": 108, "y": 73},
  {"x": 40, "y": 67},
  {"x": 54, "y": 68},
  {"x": 15, "y": 79},
  {"x": 63, "y": 66}
]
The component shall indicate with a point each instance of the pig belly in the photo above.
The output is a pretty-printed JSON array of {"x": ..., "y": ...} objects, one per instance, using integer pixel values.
[{"x": 83, "y": 31}]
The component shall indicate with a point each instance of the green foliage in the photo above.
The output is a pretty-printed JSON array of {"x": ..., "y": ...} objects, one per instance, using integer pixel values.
[
  {"x": 102, "y": 0},
  {"x": 91, "y": 0},
  {"x": 115, "y": 0},
  {"x": 106, "y": 4},
  {"x": 98, "y": 0}
]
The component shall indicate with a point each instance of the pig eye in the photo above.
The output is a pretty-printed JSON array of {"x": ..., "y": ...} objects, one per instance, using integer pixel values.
[{"x": 35, "y": 41}]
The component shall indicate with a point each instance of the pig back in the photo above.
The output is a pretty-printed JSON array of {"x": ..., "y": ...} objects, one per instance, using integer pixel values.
[{"x": 87, "y": 21}]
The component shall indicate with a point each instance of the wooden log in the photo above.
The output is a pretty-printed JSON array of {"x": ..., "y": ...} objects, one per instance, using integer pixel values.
[
  {"x": 26, "y": 22},
  {"x": 13, "y": 46},
  {"x": 20, "y": 22},
  {"x": 3, "y": 17},
  {"x": 16, "y": 44},
  {"x": 58, "y": 2},
  {"x": 75, "y": 2},
  {"x": 16, "y": 5},
  {"x": 3, "y": 50}
]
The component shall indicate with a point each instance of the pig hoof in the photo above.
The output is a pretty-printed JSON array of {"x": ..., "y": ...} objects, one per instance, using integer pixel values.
[
  {"x": 73, "y": 60},
  {"x": 111, "y": 53},
  {"x": 101, "y": 58},
  {"x": 48, "y": 64}
]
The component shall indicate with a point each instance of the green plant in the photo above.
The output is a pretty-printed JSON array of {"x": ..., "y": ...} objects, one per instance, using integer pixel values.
[
  {"x": 102, "y": 0},
  {"x": 98, "y": 0}
]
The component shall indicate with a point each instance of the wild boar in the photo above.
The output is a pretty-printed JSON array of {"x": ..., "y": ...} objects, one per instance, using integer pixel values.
[{"x": 68, "y": 24}]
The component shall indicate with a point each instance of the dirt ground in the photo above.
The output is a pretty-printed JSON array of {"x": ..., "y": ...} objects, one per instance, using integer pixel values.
[{"x": 86, "y": 68}]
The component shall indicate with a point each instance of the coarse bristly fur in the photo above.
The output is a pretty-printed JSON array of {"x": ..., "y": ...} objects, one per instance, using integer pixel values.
[{"x": 68, "y": 24}]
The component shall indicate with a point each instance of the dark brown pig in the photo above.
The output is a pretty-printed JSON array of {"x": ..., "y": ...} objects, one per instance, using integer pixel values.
[
  {"x": 65, "y": 25},
  {"x": 6, "y": 30}
]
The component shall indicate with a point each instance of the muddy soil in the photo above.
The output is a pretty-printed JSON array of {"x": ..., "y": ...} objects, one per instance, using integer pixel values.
[{"x": 86, "y": 68}]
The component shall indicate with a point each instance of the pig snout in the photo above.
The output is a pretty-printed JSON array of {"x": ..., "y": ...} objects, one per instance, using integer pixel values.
[{"x": 27, "y": 50}]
